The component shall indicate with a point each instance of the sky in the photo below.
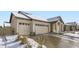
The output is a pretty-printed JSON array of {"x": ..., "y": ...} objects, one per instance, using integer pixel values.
[{"x": 67, "y": 16}]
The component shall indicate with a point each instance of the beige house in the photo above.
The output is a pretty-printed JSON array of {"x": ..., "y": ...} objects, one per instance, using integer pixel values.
[
  {"x": 26, "y": 24},
  {"x": 71, "y": 26},
  {"x": 56, "y": 24}
]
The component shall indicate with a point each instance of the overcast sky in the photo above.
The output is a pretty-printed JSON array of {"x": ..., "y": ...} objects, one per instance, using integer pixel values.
[{"x": 67, "y": 16}]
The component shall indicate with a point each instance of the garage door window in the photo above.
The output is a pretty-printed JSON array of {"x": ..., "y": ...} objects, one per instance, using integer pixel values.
[
  {"x": 23, "y": 24},
  {"x": 41, "y": 25}
]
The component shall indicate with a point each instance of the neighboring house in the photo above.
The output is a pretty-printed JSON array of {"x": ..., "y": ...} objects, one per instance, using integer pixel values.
[
  {"x": 71, "y": 26},
  {"x": 56, "y": 24},
  {"x": 0, "y": 26},
  {"x": 77, "y": 27},
  {"x": 26, "y": 24},
  {"x": 1, "y": 33}
]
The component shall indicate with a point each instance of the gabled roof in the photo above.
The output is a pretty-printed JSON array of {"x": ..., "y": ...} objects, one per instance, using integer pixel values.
[
  {"x": 25, "y": 15},
  {"x": 17, "y": 14},
  {"x": 55, "y": 19},
  {"x": 71, "y": 23}
]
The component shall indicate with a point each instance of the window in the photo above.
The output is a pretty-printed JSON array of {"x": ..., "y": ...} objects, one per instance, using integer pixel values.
[
  {"x": 23, "y": 24},
  {"x": 19, "y": 23},
  {"x": 41, "y": 25}
]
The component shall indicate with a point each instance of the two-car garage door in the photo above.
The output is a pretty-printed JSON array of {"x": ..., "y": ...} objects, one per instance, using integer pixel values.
[
  {"x": 41, "y": 29},
  {"x": 24, "y": 29}
]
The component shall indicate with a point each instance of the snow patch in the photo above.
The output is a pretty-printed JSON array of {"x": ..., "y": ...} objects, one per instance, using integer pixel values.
[
  {"x": 18, "y": 42},
  {"x": 11, "y": 38},
  {"x": 73, "y": 35},
  {"x": 11, "y": 42},
  {"x": 19, "y": 15},
  {"x": 34, "y": 44}
]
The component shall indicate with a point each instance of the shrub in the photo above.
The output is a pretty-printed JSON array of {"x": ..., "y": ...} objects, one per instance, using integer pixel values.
[
  {"x": 23, "y": 39},
  {"x": 40, "y": 46},
  {"x": 32, "y": 33},
  {"x": 29, "y": 46}
]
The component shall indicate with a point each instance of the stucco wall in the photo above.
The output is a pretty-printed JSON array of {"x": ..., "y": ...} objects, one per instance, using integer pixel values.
[
  {"x": 57, "y": 27},
  {"x": 14, "y": 24}
]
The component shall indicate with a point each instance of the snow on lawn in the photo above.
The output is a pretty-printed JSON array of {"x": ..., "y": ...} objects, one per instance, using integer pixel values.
[
  {"x": 11, "y": 38},
  {"x": 77, "y": 32},
  {"x": 2, "y": 46},
  {"x": 0, "y": 40},
  {"x": 11, "y": 42},
  {"x": 71, "y": 34},
  {"x": 15, "y": 43},
  {"x": 34, "y": 44},
  {"x": 1, "y": 43}
]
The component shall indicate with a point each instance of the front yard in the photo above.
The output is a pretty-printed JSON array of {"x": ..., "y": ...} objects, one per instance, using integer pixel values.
[{"x": 66, "y": 40}]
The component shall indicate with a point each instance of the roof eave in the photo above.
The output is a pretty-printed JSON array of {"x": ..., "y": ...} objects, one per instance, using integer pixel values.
[{"x": 10, "y": 18}]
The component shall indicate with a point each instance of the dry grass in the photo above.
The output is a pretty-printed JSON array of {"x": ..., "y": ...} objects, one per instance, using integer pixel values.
[{"x": 23, "y": 39}]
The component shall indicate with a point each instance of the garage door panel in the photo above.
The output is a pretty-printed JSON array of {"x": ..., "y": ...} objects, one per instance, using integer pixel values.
[
  {"x": 41, "y": 29},
  {"x": 24, "y": 29}
]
